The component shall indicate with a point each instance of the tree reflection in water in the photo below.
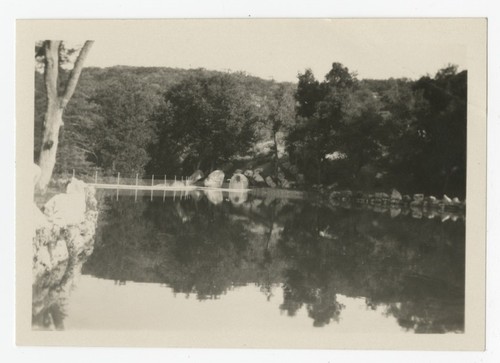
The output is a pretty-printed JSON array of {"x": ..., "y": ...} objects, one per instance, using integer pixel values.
[{"x": 208, "y": 245}]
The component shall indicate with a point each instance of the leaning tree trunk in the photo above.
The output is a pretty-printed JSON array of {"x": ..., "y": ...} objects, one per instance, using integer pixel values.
[{"x": 56, "y": 103}]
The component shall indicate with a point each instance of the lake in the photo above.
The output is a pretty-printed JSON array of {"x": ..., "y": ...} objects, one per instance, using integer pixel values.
[{"x": 274, "y": 261}]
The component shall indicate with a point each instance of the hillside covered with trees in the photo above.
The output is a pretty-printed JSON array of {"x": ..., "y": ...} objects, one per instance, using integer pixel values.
[{"x": 339, "y": 130}]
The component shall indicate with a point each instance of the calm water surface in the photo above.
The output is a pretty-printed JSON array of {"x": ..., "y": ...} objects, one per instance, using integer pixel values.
[{"x": 215, "y": 261}]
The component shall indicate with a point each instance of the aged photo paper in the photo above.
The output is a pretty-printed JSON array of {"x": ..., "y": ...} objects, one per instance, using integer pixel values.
[{"x": 108, "y": 311}]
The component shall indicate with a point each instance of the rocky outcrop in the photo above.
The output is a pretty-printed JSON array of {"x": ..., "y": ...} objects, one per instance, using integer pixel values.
[
  {"x": 61, "y": 244},
  {"x": 214, "y": 179},
  {"x": 65, "y": 229}
]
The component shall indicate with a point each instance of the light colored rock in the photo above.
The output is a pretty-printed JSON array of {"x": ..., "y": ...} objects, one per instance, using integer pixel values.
[
  {"x": 75, "y": 186},
  {"x": 258, "y": 178},
  {"x": 446, "y": 199},
  {"x": 395, "y": 195},
  {"x": 215, "y": 179},
  {"x": 197, "y": 175},
  {"x": 270, "y": 182},
  {"x": 238, "y": 181},
  {"x": 69, "y": 208}
]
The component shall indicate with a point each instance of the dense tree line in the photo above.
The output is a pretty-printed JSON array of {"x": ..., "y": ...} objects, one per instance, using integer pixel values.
[
  {"x": 358, "y": 134},
  {"x": 399, "y": 133}
]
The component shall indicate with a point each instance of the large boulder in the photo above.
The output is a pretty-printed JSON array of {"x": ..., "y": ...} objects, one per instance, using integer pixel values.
[
  {"x": 238, "y": 181},
  {"x": 214, "y": 179},
  {"x": 258, "y": 179},
  {"x": 69, "y": 208},
  {"x": 197, "y": 175}
]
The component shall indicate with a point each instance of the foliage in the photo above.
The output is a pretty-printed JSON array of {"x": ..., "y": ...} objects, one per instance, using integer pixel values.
[
  {"x": 203, "y": 122},
  {"x": 123, "y": 131},
  {"x": 366, "y": 134},
  {"x": 382, "y": 133}
]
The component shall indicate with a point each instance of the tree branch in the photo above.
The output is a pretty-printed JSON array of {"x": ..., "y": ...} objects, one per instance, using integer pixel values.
[{"x": 75, "y": 74}]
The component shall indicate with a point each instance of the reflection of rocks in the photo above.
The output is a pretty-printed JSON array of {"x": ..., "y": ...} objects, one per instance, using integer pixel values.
[
  {"x": 419, "y": 206},
  {"x": 59, "y": 247},
  {"x": 215, "y": 179},
  {"x": 181, "y": 213},
  {"x": 214, "y": 196},
  {"x": 238, "y": 198}
]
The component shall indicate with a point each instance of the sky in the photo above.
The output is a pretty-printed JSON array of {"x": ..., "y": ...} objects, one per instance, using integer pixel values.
[{"x": 280, "y": 49}]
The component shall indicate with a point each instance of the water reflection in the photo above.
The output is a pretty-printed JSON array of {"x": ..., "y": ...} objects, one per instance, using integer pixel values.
[{"x": 315, "y": 256}]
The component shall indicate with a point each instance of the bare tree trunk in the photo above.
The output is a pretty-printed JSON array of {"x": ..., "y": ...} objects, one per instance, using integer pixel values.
[{"x": 56, "y": 104}]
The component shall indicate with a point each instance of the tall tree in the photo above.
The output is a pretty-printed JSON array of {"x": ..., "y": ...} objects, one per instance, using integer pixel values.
[
  {"x": 204, "y": 122},
  {"x": 53, "y": 54},
  {"x": 123, "y": 130},
  {"x": 321, "y": 109},
  {"x": 280, "y": 116}
]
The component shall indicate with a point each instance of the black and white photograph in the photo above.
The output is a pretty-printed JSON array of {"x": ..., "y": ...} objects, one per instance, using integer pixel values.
[{"x": 253, "y": 183}]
